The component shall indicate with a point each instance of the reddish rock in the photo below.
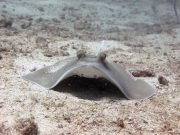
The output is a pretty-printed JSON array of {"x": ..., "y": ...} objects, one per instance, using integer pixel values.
[
  {"x": 163, "y": 80},
  {"x": 143, "y": 73}
]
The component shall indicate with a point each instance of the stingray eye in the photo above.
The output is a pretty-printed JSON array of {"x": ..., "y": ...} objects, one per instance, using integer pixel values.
[
  {"x": 102, "y": 56},
  {"x": 81, "y": 54}
]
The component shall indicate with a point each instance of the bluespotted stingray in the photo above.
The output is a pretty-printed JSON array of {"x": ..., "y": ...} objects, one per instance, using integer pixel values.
[{"x": 92, "y": 67}]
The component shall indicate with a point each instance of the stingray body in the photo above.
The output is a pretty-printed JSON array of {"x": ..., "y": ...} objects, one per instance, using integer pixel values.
[{"x": 92, "y": 67}]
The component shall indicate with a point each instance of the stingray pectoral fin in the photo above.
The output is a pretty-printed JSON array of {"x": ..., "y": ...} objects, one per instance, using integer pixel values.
[
  {"x": 49, "y": 76},
  {"x": 142, "y": 89},
  {"x": 131, "y": 87}
]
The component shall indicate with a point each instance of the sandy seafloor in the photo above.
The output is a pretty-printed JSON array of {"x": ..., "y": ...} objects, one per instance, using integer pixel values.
[{"x": 139, "y": 34}]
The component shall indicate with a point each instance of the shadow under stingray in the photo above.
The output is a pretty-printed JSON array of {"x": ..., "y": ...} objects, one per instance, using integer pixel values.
[{"x": 89, "y": 88}]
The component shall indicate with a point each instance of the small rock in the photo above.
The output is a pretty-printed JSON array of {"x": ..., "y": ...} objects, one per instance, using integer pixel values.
[
  {"x": 74, "y": 47},
  {"x": 3, "y": 49},
  {"x": 120, "y": 123},
  {"x": 136, "y": 104},
  {"x": 146, "y": 122},
  {"x": 1, "y": 57},
  {"x": 60, "y": 126},
  {"x": 67, "y": 118},
  {"x": 143, "y": 73},
  {"x": 48, "y": 55},
  {"x": 42, "y": 42},
  {"x": 26, "y": 127},
  {"x": 163, "y": 80},
  {"x": 165, "y": 54},
  {"x": 7, "y": 23},
  {"x": 26, "y": 25},
  {"x": 40, "y": 39},
  {"x": 62, "y": 53}
]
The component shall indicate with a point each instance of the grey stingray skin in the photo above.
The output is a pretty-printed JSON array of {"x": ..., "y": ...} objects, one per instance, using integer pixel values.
[{"x": 92, "y": 67}]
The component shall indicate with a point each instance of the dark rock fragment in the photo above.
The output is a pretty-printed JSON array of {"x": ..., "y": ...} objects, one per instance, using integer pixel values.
[
  {"x": 162, "y": 80},
  {"x": 6, "y": 23},
  {"x": 143, "y": 73}
]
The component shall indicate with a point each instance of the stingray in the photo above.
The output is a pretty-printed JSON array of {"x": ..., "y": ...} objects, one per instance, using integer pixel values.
[{"x": 90, "y": 66}]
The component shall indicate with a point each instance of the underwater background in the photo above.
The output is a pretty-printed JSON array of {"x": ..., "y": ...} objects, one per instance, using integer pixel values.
[
  {"x": 141, "y": 35},
  {"x": 93, "y": 19}
]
